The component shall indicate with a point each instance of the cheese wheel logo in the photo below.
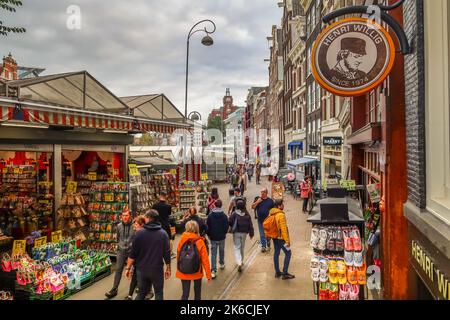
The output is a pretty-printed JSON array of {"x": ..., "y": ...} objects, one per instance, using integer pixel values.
[{"x": 352, "y": 56}]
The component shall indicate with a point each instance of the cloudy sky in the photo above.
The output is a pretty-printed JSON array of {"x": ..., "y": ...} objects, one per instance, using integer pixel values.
[{"x": 139, "y": 46}]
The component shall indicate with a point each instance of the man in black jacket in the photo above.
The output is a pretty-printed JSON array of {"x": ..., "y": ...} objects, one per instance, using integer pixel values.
[
  {"x": 149, "y": 252},
  {"x": 217, "y": 223},
  {"x": 165, "y": 210},
  {"x": 125, "y": 235}
]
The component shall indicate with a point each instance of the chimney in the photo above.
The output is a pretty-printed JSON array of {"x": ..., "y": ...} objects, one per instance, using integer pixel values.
[{"x": 9, "y": 70}]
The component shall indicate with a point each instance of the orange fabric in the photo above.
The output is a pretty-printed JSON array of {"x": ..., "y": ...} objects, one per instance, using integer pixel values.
[{"x": 204, "y": 258}]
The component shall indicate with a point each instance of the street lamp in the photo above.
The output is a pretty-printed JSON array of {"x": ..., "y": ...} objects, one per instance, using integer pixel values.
[{"x": 206, "y": 41}]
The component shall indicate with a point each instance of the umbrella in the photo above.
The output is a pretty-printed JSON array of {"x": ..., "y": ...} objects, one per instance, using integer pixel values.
[{"x": 291, "y": 176}]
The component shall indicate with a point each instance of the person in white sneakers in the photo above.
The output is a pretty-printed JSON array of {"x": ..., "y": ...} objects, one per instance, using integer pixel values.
[{"x": 217, "y": 223}]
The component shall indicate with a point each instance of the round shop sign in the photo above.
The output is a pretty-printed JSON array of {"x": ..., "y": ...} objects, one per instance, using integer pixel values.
[{"x": 352, "y": 56}]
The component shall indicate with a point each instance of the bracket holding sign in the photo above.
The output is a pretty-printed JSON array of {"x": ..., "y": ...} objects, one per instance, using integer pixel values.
[{"x": 396, "y": 27}]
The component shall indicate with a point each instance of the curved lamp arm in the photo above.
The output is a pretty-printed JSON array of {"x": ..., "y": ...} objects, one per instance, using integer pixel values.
[{"x": 191, "y": 32}]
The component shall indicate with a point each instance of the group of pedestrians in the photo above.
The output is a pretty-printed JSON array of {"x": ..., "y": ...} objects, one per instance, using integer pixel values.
[{"x": 146, "y": 244}]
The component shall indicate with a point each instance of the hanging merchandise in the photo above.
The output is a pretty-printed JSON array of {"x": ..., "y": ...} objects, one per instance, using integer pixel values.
[
  {"x": 338, "y": 266},
  {"x": 108, "y": 201},
  {"x": 147, "y": 194},
  {"x": 72, "y": 217},
  {"x": 26, "y": 204},
  {"x": 187, "y": 197},
  {"x": 203, "y": 190}
]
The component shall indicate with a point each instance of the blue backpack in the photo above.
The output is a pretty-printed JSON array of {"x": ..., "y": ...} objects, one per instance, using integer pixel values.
[{"x": 189, "y": 260}]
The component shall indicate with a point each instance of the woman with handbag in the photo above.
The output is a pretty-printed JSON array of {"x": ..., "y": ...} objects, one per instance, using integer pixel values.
[{"x": 240, "y": 224}]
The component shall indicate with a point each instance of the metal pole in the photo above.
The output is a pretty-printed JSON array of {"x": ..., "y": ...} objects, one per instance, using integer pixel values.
[{"x": 187, "y": 73}]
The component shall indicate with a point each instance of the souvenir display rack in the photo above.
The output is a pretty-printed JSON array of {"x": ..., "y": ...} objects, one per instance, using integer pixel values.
[
  {"x": 203, "y": 191},
  {"x": 24, "y": 201},
  {"x": 108, "y": 201},
  {"x": 187, "y": 198},
  {"x": 144, "y": 196},
  {"x": 338, "y": 269},
  {"x": 84, "y": 184},
  {"x": 55, "y": 271},
  {"x": 72, "y": 217}
]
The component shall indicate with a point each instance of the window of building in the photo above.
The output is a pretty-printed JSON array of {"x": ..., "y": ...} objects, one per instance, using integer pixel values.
[
  {"x": 437, "y": 107},
  {"x": 318, "y": 96}
]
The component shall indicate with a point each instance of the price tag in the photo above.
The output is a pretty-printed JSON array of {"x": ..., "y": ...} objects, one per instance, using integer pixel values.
[
  {"x": 204, "y": 176},
  {"x": 58, "y": 295},
  {"x": 56, "y": 236},
  {"x": 92, "y": 176},
  {"x": 348, "y": 184},
  {"x": 19, "y": 246},
  {"x": 109, "y": 197},
  {"x": 72, "y": 186},
  {"x": 5, "y": 170},
  {"x": 16, "y": 170},
  {"x": 40, "y": 241},
  {"x": 44, "y": 201},
  {"x": 133, "y": 170},
  {"x": 173, "y": 171}
]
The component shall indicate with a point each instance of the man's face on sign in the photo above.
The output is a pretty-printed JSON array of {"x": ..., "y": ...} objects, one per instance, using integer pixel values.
[{"x": 353, "y": 61}]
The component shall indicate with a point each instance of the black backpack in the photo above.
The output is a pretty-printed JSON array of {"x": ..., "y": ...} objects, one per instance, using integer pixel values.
[{"x": 189, "y": 260}]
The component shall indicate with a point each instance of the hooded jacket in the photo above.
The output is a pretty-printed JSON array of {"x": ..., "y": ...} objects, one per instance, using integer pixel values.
[
  {"x": 244, "y": 222},
  {"x": 125, "y": 235},
  {"x": 150, "y": 248},
  {"x": 217, "y": 223},
  {"x": 201, "y": 224},
  {"x": 205, "y": 267},
  {"x": 280, "y": 218}
]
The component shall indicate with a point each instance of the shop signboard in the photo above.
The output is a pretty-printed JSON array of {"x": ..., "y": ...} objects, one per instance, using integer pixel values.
[
  {"x": 350, "y": 185},
  {"x": 173, "y": 171},
  {"x": 352, "y": 56},
  {"x": 332, "y": 141},
  {"x": 133, "y": 169},
  {"x": 38, "y": 242},
  {"x": 19, "y": 247},
  {"x": 92, "y": 176},
  {"x": 56, "y": 236},
  {"x": 71, "y": 187},
  {"x": 204, "y": 176},
  {"x": 374, "y": 191},
  {"x": 431, "y": 265},
  {"x": 277, "y": 190}
]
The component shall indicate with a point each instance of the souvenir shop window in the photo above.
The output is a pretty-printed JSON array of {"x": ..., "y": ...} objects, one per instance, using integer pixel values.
[
  {"x": 26, "y": 197},
  {"x": 87, "y": 167}
]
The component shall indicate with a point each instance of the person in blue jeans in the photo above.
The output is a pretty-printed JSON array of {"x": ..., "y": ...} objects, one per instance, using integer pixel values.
[
  {"x": 281, "y": 242},
  {"x": 217, "y": 223},
  {"x": 263, "y": 205}
]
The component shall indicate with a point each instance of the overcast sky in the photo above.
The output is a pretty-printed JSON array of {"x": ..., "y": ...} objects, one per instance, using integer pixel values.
[{"x": 139, "y": 46}]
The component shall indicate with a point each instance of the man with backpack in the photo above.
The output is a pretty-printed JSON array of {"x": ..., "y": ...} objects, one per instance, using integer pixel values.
[
  {"x": 237, "y": 196},
  {"x": 217, "y": 223},
  {"x": 275, "y": 227},
  {"x": 235, "y": 179},
  {"x": 263, "y": 205},
  {"x": 149, "y": 252}
]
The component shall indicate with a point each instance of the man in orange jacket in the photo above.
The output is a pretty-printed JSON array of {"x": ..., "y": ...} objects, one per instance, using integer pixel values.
[{"x": 282, "y": 242}]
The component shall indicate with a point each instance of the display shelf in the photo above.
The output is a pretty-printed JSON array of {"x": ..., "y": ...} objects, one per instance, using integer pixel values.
[{"x": 107, "y": 201}]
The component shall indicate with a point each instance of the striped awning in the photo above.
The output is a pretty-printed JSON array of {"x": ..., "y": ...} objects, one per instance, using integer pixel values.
[{"x": 84, "y": 119}]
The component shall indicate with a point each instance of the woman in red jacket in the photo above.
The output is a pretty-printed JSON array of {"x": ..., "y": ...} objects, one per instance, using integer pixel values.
[
  {"x": 192, "y": 234},
  {"x": 305, "y": 190}
]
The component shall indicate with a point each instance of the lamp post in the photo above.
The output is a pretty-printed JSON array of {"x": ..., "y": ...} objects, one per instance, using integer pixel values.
[{"x": 206, "y": 41}]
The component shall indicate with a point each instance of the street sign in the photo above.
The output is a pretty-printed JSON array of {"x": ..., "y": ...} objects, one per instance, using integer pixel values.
[
  {"x": 352, "y": 57},
  {"x": 19, "y": 247}
]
